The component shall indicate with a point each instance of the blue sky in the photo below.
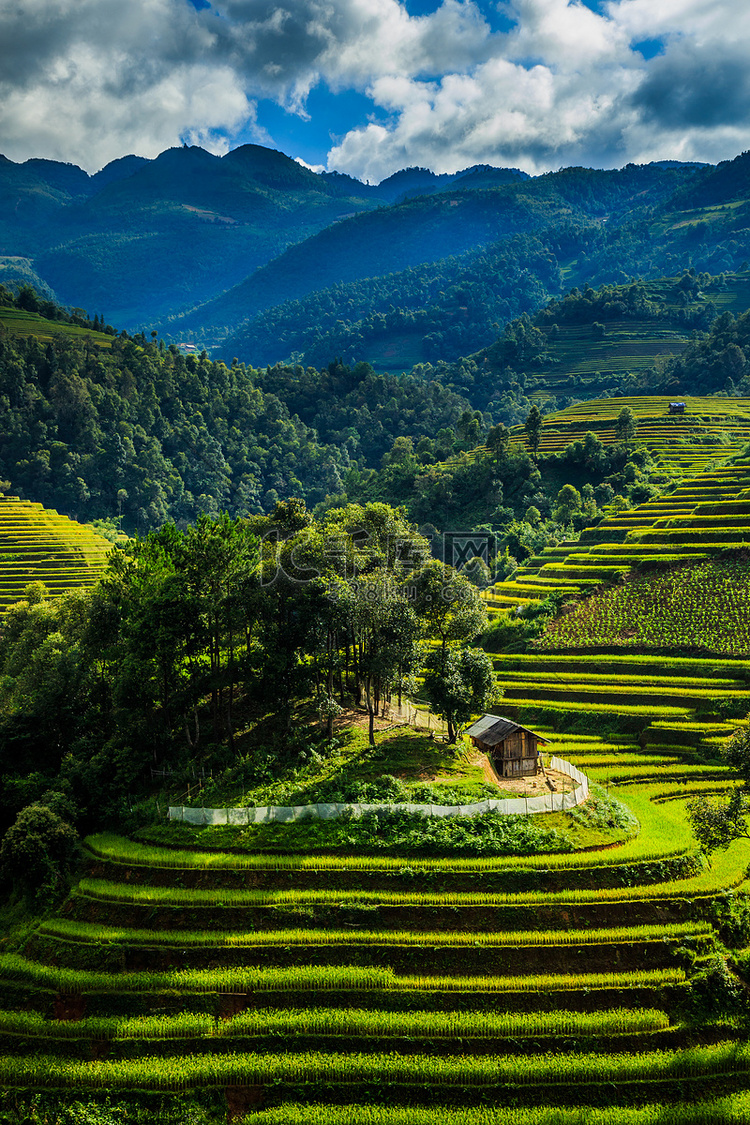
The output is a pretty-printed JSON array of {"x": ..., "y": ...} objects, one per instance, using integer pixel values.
[{"x": 369, "y": 86}]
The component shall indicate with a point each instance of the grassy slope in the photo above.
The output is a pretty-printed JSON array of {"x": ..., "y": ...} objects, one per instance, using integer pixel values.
[{"x": 19, "y": 322}]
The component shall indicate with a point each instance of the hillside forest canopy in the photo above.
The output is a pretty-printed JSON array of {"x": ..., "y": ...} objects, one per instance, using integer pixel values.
[
  {"x": 105, "y": 426},
  {"x": 192, "y": 639}
]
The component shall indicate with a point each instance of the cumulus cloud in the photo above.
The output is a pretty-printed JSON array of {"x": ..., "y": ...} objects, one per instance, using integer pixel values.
[
  {"x": 567, "y": 85},
  {"x": 89, "y": 80}
]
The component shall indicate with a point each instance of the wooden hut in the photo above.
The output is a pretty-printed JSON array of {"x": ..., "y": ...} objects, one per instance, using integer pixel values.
[
  {"x": 513, "y": 749},
  {"x": 677, "y": 408}
]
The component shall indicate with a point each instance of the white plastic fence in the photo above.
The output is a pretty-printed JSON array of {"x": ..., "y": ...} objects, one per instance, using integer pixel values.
[{"x": 548, "y": 802}]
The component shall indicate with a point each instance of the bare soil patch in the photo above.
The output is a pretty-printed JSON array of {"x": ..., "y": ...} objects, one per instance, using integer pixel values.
[{"x": 552, "y": 781}]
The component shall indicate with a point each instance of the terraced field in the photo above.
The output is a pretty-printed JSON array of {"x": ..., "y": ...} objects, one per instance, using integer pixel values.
[
  {"x": 581, "y": 987},
  {"x": 699, "y": 518},
  {"x": 39, "y": 545},
  {"x": 594, "y": 361},
  {"x": 667, "y": 659},
  {"x": 711, "y": 430},
  {"x": 592, "y": 355},
  {"x": 287, "y": 985},
  {"x": 20, "y": 322}
]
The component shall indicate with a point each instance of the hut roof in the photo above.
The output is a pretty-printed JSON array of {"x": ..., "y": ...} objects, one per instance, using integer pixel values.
[{"x": 494, "y": 729}]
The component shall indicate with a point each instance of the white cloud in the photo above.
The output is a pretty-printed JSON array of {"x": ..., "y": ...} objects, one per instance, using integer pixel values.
[
  {"x": 89, "y": 80},
  {"x": 311, "y": 167},
  {"x": 567, "y": 86}
]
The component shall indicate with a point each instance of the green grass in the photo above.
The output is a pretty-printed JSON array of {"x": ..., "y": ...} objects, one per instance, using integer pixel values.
[
  {"x": 94, "y": 933},
  {"x": 734, "y": 1110},
  {"x": 19, "y": 322},
  {"x": 119, "y": 850},
  {"x": 728, "y": 871},
  {"x": 544, "y": 1069}
]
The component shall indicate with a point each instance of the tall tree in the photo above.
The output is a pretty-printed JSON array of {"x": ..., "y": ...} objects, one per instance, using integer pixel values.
[
  {"x": 459, "y": 686},
  {"x": 450, "y": 605},
  {"x": 626, "y": 426},
  {"x": 533, "y": 429}
]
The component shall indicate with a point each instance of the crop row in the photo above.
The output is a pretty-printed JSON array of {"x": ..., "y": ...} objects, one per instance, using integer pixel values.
[
  {"x": 214, "y": 897},
  {"x": 603, "y": 707},
  {"x": 93, "y": 933},
  {"x": 341, "y": 1021},
  {"x": 550, "y": 1068},
  {"x": 734, "y": 1110},
  {"x": 654, "y": 666},
  {"x": 608, "y": 690},
  {"x": 705, "y": 605},
  {"x": 638, "y": 682},
  {"x": 121, "y": 851},
  {"x": 305, "y": 977},
  {"x": 727, "y": 872}
]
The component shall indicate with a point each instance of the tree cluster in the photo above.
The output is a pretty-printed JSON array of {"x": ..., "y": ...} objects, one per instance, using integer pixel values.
[{"x": 194, "y": 637}]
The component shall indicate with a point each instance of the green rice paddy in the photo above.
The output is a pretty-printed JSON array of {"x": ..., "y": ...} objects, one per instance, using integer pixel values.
[
  {"x": 582, "y": 988},
  {"x": 39, "y": 545}
]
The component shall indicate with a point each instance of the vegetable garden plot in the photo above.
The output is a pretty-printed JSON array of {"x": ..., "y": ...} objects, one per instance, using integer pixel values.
[{"x": 702, "y": 606}]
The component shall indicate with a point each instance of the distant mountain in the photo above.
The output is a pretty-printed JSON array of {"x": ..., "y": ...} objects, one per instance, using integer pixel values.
[
  {"x": 601, "y": 228},
  {"x": 435, "y": 228},
  {"x": 411, "y": 182},
  {"x": 143, "y": 238},
  {"x": 198, "y": 245}
]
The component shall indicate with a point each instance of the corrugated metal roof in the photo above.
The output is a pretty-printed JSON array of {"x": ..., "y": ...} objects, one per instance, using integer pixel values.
[{"x": 492, "y": 729}]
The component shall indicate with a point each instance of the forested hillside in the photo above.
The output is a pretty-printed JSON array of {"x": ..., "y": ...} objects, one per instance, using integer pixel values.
[
  {"x": 451, "y": 307},
  {"x": 104, "y": 425},
  {"x": 134, "y": 429},
  {"x": 144, "y": 237},
  {"x": 559, "y": 206}
]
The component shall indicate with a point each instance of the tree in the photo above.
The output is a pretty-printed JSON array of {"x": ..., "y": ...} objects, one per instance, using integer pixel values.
[
  {"x": 459, "y": 685},
  {"x": 37, "y": 852},
  {"x": 452, "y": 609},
  {"x": 386, "y": 630},
  {"x": 478, "y": 573},
  {"x": 625, "y": 426},
  {"x": 568, "y": 503},
  {"x": 533, "y": 428},
  {"x": 737, "y": 755},
  {"x": 717, "y": 822},
  {"x": 497, "y": 441}
]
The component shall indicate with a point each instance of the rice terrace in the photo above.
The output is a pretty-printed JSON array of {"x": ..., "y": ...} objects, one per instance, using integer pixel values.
[
  {"x": 374, "y": 743},
  {"x": 297, "y": 973}
]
